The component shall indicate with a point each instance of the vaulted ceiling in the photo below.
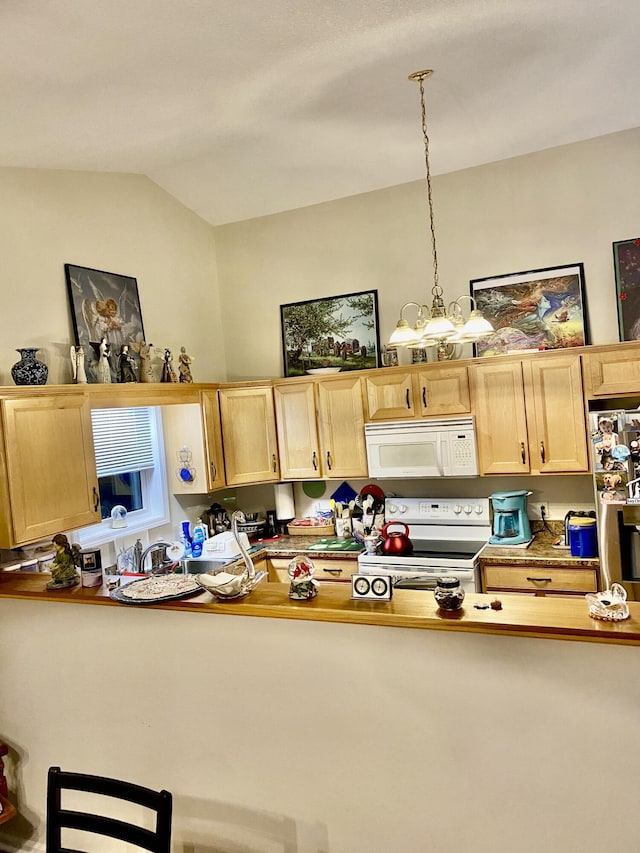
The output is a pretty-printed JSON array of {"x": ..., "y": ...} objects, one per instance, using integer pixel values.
[{"x": 246, "y": 109}]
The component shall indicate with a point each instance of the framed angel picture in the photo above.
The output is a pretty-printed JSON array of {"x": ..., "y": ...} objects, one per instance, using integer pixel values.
[{"x": 103, "y": 305}]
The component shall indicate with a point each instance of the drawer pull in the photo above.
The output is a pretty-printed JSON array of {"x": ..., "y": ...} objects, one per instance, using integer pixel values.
[
  {"x": 332, "y": 571},
  {"x": 540, "y": 580}
]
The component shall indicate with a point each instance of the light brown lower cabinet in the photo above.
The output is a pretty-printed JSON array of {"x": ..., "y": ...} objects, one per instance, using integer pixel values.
[
  {"x": 326, "y": 569},
  {"x": 537, "y": 579}
]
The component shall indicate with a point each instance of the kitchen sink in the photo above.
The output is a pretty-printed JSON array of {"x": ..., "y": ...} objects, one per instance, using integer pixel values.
[{"x": 200, "y": 566}]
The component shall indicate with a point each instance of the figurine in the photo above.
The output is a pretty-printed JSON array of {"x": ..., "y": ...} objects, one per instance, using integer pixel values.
[
  {"x": 102, "y": 351},
  {"x": 146, "y": 357},
  {"x": 168, "y": 373},
  {"x": 77, "y": 364},
  {"x": 63, "y": 566},
  {"x": 184, "y": 366},
  {"x": 126, "y": 367},
  {"x": 303, "y": 587}
]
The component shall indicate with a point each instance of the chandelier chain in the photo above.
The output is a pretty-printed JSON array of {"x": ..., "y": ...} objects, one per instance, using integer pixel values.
[{"x": 436, "y": 290}]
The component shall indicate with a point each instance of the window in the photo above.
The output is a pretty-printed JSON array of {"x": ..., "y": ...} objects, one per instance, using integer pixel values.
[{"x": 130, "y": 465}]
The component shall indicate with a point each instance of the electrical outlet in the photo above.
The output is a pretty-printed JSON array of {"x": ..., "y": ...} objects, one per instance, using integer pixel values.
[{"x": 543, "y": 511}]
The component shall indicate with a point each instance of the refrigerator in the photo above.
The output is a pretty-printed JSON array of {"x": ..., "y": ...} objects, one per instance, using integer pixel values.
[{"x": 615, "y": 449}]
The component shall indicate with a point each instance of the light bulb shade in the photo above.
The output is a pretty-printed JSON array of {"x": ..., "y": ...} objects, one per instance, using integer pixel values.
[
  {"x": 477, "y": 326},
  {"x": 403, "y": 335},
  {"x": 438, "y": 328}
]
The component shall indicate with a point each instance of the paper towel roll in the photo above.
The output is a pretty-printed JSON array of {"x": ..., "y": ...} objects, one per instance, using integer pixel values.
[{"x": 285, "y": 507}]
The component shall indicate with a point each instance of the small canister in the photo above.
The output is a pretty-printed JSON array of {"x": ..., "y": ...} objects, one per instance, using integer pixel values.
[
  {"x": 91, "y": 567},
  {"x": 449, "y": 594},
  {"x": 583, "y": 537}
]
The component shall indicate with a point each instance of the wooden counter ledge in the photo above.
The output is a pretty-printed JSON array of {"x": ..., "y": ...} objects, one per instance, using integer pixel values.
[{"x": 521, "y": 615}]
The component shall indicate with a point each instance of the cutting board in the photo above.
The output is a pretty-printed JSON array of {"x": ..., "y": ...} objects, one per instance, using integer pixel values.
[{"x": 335, "y": 545}]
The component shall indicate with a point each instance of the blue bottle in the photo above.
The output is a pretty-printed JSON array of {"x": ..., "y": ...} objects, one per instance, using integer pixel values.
[
  {"x": 185, "y": 538},
  {"x": 197, "y": 541}
]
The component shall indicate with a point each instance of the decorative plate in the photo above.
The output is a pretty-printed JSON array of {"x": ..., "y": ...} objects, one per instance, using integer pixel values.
[{"x": 156, "y": 588}]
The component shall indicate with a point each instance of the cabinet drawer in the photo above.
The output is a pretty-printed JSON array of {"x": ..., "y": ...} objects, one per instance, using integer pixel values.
[
  {"x": 325, "y": 569},
  {"x": 540, "y": 579}
]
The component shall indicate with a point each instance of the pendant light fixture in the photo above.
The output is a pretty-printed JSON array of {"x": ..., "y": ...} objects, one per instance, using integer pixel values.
[{"x": 437, "y": 325}]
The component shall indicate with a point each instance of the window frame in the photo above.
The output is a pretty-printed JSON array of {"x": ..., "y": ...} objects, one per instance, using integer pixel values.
[{"x": 155, "y": 511}]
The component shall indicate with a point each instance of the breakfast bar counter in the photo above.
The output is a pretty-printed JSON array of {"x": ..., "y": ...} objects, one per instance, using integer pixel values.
[{"x": 519, "y": 615}]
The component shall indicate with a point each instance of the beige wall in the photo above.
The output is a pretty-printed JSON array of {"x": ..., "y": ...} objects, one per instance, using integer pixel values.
[
  {"x": 551, "y": 208},
  {"x": 283, "y": 736},
  {"x": 120, "y": 223}
]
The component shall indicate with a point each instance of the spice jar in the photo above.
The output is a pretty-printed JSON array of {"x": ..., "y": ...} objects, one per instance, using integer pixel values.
[{"x": 449, "y": 594}]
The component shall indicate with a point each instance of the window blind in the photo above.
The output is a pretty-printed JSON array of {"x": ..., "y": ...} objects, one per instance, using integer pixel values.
[{"x": 124, "y": 440}]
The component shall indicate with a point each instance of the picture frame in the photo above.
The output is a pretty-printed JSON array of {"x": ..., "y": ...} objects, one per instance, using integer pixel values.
[
  {"x": 535, "y": 310},
  {"x": 626, "y": 262},
  {"x": 103, "y": 304},
  {"x": 331, "y": 334}
]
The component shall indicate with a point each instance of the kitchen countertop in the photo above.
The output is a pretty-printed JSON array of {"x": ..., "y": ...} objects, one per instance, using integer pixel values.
[
  {"x": 540, "y": 552},
  {"x": 291, "y": 546},
  {"x": 520, "y": 615}
]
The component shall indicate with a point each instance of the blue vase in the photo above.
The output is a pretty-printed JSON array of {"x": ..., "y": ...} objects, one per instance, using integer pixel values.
[{"x": 29, "y": 371}]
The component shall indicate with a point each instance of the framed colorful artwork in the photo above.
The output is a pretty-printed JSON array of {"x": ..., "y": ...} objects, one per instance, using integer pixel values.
[
  {"x": 331, "y": 334},
  {"x": 626, "y": 262},
  {"x": 533, "y": 310}
]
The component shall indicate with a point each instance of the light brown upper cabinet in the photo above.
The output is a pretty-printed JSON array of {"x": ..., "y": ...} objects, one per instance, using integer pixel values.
[
  {"x": 530, "y": 415},
  {"x": 193, "y": 430},
  {"x": 612, "y": 371},
  {"x": 443, "y": 390},
  {"x": 435, "y": 390},
  {"x": 321, "y": 428},
  {"x": 249, "y": 435},
  {"x": 48, "y": 480}
]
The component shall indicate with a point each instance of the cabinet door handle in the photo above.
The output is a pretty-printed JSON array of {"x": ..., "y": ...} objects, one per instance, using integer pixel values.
[
  {"x": 332, "y": 571},
  {"x": 407, "y": 398},
  {"x": 314, "y": 461},
  {"x": 96, "y": 499},
  {"x": 542, "y": 459},
  {"x": 540, "y": 580},
  {"x": 329, "y": 460},
  {"x": 522, "y": 453},
  {"x": 424, "y": 396},
  {"x": 214, "y": 472},
  {"x": 275, "y": 463}
]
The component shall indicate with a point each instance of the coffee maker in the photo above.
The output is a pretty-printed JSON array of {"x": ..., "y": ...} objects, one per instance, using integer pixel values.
[{"x": 510, "y": 524}]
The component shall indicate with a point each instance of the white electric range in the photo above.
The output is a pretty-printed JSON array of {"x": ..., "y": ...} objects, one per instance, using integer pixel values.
[{"x": 447, "y": 534}]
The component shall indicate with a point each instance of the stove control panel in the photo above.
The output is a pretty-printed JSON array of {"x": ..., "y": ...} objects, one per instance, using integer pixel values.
[{"x": 438, "y": 510}]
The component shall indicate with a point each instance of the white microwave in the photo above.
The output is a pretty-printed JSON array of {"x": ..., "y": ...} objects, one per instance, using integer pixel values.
[{"x": 444, "y": 447}]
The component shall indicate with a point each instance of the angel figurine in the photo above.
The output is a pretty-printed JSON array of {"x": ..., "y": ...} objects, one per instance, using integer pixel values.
[
  {"x": 64, "y": 564},
  {"x": 102, "y": 351},
  {"x": 77, "y": 365},
  {"x": 146, "y": 353},
  {"x": 184, "y": 366},
  {"x": 168, "y": 373}
]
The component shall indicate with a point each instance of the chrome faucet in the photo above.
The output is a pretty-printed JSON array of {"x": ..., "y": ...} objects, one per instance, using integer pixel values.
[{"x": 159, "y": 569}]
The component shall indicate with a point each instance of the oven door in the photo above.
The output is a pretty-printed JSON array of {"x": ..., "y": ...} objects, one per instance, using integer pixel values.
[{"x": 423, "y": 577}]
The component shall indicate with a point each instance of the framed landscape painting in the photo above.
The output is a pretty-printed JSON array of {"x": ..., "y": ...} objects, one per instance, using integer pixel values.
[
  {"x": 331, "y": 334},
  {"x": 626, "y": 261},
  {"x": 534, "y": 310}
]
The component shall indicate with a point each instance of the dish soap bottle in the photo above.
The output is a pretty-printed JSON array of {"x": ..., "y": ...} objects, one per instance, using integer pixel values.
[
  {"x": 197, "y": 540},
  {"x": 185, "y": 538}
]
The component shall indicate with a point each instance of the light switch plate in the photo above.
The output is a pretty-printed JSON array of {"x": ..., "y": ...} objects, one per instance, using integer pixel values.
[{"x": 372, "y": 587}]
